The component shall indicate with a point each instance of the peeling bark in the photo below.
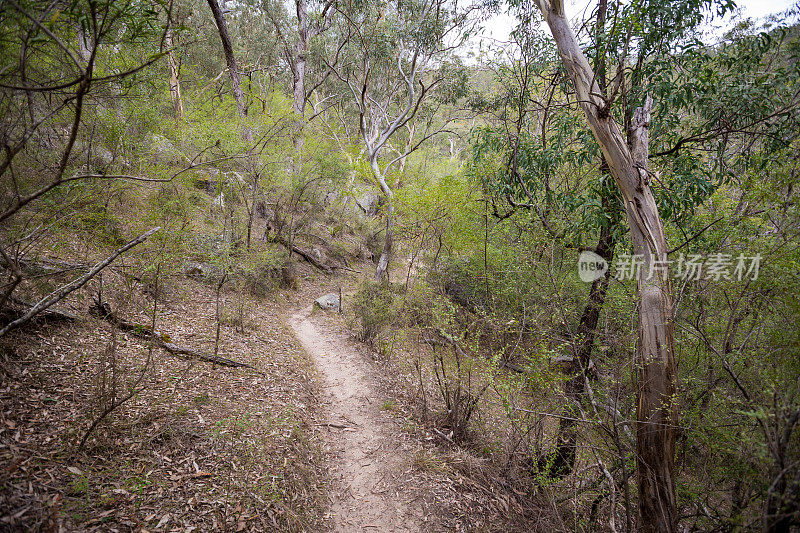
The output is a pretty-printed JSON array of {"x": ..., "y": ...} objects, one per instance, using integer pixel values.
[{"x": 656, "y": 408}]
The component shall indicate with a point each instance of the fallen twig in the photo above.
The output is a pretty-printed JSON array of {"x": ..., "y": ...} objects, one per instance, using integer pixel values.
[
  {"x": 61, "y": 292},
  {"x": 442, "y": 435},
  {"x": 103, "y": 310}
]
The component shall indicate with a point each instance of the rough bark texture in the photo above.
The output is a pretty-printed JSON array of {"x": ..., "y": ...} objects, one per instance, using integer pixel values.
[
  {"x": 564, "y": 457},
  {"x": 656, "y": 410},
  {"x": 298, "y": 67},
  {"x": 233, "y": 71},
  {"x": 299, "y": 98},
  {"x": 298, "y": 61}
]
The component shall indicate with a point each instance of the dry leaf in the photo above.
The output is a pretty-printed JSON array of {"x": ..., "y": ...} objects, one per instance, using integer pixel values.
[{"x": 164, "y": 521}]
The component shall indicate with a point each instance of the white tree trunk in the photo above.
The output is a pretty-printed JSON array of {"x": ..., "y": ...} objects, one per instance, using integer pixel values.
[
  {"x": 657, "y": 376},
  {"x": 382, "y": 270},
  {"x": 174, "y": 81}
]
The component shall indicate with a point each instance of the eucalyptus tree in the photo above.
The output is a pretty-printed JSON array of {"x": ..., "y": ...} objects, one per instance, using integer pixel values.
[
  {"x": 544, "y": 154},
  {"x": 311, "y": 21},
  {"x": 392, "y": 59},
  {"x": 628, "y": 164},
  {"x": 174, "y": 67},
  {"x": 233, "y": 68},
  {"x": 647, "y": 49}
]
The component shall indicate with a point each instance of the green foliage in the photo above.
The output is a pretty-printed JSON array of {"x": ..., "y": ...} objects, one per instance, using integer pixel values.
[
  {"x": 374, "y": 308},
  {"x": 494, "y": 238},
  {"x": 424, "y": 307},
  {"x": 106, "y": 226}
]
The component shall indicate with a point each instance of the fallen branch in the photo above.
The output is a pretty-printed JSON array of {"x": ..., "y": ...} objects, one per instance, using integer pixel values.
[
  {"x": 305, "y": 255},
  {"x": 103, "y": 310},
  {"x": 174, "y": 349},
  {"x": 58, "y": 314},
  {"x": 514, "y": 368},
  {"x": 442, "y": 435},
  {"x": 299, "y": 251},
  {"x": 61, "y": 292},
  {"x": 311, "y": 259}
]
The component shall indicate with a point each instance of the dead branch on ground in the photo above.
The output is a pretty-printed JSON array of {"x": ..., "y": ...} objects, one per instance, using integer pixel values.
[
  {"x": 161, "y": 340},
  {"x": 63, "y": 291}
]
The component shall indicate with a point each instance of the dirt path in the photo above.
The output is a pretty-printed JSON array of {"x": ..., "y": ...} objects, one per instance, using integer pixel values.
[{"x": 368, "y": 492}]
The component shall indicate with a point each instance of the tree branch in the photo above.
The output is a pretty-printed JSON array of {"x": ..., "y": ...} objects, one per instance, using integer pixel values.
[{"x": 61, "y": 292}]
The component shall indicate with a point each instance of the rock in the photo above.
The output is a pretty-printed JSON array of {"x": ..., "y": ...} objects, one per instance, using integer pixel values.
[
  {"x": 96, "y": 158},
  {"x": 199, "y": 271},
  {"x": 212, "y": 245},
  {"x": 206, "y": 185},
  {"x": 163, "y": 149},
  {"x": 369, "y": 203},
  {"x": 568, "y": 363},
  {"x": 329, "y": 302},
  {"x": 330, "y": 197},
  {"x": 101, "y": 156},
  {"x": 235, "y": 179}
]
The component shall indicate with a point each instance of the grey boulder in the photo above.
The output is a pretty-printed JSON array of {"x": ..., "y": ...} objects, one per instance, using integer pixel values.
[{"x": 328, "y": 302}]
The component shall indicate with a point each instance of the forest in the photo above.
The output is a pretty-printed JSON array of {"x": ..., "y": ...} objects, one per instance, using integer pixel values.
[{"x": 368, "y": 265}]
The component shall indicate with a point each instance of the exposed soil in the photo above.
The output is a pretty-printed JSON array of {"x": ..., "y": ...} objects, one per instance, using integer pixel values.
[{"x": 368, "y": 492}]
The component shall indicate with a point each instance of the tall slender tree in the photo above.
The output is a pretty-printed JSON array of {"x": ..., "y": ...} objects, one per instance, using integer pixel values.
[
  {"x": 391, "y": 60},
  {"x": 310, "y": 24},
  {"x": 657, "y": 375},
  {"x": 174, "y": 80},
  {"x": 233, "y": 69}
]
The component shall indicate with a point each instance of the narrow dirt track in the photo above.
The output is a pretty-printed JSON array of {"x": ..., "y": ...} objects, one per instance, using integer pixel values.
[{"x": 368, "y": 493}]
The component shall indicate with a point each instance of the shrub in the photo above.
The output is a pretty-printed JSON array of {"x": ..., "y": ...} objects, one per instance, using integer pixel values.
[
  {"x": 261, "y": 271},
  {"x": 374, "y": 308}
]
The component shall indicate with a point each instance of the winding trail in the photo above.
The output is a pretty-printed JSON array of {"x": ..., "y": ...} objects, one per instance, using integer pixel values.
[{"x": 368, "y": 494}]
